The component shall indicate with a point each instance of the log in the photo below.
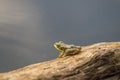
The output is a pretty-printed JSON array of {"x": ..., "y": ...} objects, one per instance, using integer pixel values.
[{"x": 100, "y": 61}]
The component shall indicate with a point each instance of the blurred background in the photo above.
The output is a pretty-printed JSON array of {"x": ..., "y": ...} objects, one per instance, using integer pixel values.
[{"x": 29, "y": 28}]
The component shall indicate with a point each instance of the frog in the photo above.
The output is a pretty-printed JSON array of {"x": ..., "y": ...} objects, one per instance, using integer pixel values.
[{"x": 66, "y": 49}]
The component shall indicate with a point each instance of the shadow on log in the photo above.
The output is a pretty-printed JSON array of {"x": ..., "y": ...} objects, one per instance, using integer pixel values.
[{"x": 99, "y": 61}]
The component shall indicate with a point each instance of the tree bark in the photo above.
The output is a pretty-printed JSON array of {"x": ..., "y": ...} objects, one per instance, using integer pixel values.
[{"x": 99, "y": 61}]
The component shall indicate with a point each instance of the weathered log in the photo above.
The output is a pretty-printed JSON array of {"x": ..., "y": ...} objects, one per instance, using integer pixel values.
[{"x": 99, "y": 61}]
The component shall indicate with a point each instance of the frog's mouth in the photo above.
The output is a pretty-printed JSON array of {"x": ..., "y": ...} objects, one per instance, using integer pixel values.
[
  {"x": 59, "y": 48},
  {"x": 56, "y": 47}
]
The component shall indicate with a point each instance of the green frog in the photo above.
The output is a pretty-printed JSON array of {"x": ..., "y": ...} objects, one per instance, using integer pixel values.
[{"x": 66, "y": 49}]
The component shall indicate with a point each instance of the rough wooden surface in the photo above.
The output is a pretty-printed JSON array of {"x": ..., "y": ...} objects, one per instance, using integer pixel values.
[{"x": 99, "y": 61}]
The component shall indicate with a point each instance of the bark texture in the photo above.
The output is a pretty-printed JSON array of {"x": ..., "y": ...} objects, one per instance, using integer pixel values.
[{"x": 99, "y": 61}]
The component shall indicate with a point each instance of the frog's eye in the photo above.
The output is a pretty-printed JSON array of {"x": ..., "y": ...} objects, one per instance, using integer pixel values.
[
  {"x": 60, "y": 41},
  {"x": 58, "y": 46}
]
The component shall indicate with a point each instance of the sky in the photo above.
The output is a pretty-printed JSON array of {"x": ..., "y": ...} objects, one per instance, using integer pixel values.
[{"x": 29, "y": 28}]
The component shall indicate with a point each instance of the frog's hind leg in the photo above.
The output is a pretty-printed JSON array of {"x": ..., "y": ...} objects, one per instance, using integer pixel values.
[{"x": 71, "y": 52}]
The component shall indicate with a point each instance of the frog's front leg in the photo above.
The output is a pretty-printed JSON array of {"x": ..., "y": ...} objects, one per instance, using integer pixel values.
[{"x": 61, "y": 55}]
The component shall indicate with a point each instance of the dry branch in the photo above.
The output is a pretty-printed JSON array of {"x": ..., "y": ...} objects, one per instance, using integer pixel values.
[{"x": 99, "y": 61}]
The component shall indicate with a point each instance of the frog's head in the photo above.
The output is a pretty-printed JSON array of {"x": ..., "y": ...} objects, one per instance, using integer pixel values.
[{"x": 59, "y": 46}]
